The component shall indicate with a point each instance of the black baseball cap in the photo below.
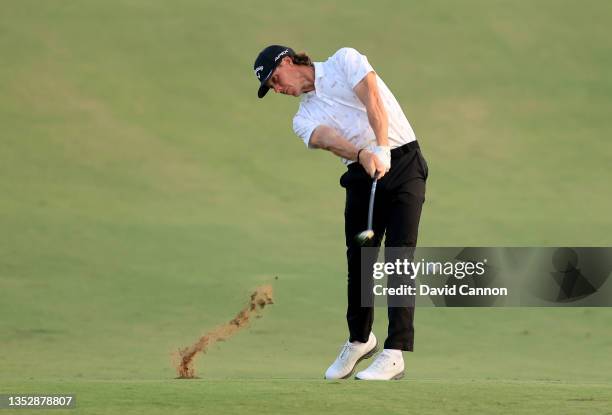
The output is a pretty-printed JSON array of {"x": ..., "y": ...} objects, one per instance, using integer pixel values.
[{"x": 267, "y": 60}]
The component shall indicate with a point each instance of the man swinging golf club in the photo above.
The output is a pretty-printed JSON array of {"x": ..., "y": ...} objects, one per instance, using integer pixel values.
[{"x": 347, "y": 109}]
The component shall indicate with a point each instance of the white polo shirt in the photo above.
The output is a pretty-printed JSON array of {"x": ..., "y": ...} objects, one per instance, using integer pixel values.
[{"x": 334, "y": 103}]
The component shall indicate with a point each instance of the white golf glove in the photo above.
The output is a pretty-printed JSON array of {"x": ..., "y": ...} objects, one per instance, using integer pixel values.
[{"x": 384, "y": 155}]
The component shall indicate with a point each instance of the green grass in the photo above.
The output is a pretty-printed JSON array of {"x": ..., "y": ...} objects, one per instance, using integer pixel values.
[
  {"x": 317, "y": 396},
  {"x": 146, "y": 191}
]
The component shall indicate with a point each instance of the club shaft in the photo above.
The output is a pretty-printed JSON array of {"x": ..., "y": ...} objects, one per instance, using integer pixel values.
[{"x": 371, "y": 207}]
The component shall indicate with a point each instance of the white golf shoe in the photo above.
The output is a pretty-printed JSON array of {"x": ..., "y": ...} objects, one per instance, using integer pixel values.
[
  {"x": 389, "y": 365},
  {"x": 350, "y": 355}
]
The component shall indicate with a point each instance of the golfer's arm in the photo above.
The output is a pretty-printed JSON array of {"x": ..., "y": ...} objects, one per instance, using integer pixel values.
[
  {"x": 367, "y": 92},
  {"x": 328, "y": 138}
]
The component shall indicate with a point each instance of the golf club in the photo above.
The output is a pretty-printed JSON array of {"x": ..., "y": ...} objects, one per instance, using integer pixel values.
[{"x": 368, "y": 234}]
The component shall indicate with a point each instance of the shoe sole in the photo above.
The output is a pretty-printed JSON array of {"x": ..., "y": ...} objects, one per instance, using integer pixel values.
[
  {"x": 365, "y": 356},
  {"x": 396, "y": 377}
]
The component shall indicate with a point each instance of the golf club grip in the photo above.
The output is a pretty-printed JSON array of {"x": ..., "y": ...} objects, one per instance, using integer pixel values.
[{"x": 371, "y": 207}]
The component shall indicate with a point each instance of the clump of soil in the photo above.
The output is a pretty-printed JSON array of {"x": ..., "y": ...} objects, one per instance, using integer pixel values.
[{"x": 185, "y": 362}]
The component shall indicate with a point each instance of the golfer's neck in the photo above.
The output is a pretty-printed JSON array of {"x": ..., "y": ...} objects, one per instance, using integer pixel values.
[{"x": 308, "y": 72}]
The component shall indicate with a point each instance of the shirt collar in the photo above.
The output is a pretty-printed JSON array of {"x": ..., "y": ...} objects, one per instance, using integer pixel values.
[
  {"x": 319, "y": 69},
  {"x": 319, "y": 73}
]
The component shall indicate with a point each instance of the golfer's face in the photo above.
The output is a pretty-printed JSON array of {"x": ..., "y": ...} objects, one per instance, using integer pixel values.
[{"x": 285, "y": 80}]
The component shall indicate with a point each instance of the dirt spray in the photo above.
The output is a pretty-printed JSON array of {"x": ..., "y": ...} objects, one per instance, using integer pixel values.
[{"x": 185, "y": 358}]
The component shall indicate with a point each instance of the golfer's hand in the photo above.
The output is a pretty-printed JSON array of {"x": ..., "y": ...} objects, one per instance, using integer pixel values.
[
  {"x": 384, "y": 155},
  {"x": 372, "y": 164}
]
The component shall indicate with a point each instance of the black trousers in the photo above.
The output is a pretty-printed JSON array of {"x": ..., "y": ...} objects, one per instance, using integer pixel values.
[{"x": 397, "y": 210}]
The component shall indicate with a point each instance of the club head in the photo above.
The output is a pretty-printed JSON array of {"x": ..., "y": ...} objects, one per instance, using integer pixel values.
[{"x": 364, "y": 237}]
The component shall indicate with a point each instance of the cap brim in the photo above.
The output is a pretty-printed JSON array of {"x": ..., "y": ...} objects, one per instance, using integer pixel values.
[{"x": 263, "y": 90}]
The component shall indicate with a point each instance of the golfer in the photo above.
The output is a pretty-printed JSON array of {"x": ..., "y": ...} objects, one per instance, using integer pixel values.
[{"x": 346, "y": 108}]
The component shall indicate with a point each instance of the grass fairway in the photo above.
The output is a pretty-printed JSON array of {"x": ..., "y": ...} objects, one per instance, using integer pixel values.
[
  {"x": 146, "y": 191},
  {"x": 317, "y": 396}
]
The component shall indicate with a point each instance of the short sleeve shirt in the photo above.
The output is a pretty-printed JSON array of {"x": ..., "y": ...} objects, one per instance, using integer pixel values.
[{"x": 334, "y": 103}]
